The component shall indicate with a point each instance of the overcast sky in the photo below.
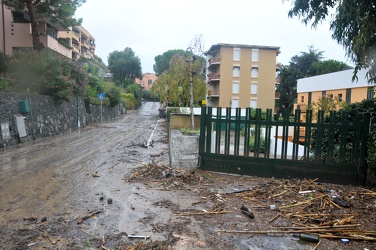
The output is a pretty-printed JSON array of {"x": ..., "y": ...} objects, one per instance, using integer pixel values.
[{"x": 152, "y": 27}]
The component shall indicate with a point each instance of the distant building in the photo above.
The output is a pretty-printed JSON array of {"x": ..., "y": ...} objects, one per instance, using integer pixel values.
[
  {"x": 147, "y": 80},
  {"x": 81, "y": 41},
  {"x": 241, "y": 76},
  {"x": 15, "y": 33},
  {"x": 333, "y": 85}
]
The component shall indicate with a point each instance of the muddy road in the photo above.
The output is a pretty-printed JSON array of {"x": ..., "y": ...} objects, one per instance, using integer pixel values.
[{"x": 110, "y": 186}]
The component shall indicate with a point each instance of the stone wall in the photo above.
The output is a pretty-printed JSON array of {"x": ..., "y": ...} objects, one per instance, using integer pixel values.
[{"x": 47, "y": 117}]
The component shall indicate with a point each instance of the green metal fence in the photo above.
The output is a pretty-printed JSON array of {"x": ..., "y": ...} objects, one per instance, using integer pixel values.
[{"x": 330, "y": 147}]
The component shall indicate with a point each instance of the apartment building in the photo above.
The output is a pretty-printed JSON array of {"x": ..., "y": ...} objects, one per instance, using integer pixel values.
[
  {"x": 147, "y": 80},
  {"x": 81, "y": 41},
  {"x": 15, "y": 33},
  {"x": 241, "y": 76},
  {"x": 333, "y": 85}
]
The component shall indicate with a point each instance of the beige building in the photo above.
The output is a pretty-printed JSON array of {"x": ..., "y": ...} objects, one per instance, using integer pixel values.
[
  {"x": 147, "y": 80},
  {"x": 15, "y": 33},
  {"x": 333, "y": 85},
  {"x": 241, "y": 76},
  {"x": 81, "y": 41}
]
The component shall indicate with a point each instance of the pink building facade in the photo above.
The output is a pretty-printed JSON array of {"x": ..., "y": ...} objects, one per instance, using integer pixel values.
[{"x": 147, "y": 80}]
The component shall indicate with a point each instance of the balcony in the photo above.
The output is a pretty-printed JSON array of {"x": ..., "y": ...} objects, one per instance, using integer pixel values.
[
  {"x": 214, "y": 61},
  {"x": 213, "y": 93},
  {"x": 52, "y": 43},
  {"x": 214, "y": 77}
]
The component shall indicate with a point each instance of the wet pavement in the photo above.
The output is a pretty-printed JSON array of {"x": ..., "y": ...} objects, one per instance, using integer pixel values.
[{"x": 74, "y": 191}]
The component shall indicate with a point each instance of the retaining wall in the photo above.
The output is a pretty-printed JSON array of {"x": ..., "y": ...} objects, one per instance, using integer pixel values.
[{"x": 47, "y": 117}]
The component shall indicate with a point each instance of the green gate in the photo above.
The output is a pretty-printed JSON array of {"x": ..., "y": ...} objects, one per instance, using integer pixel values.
[{"x": 330, "y": 147}]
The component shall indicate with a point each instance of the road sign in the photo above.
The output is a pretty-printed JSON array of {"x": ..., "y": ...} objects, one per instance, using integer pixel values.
[{"x": 101, "y": 96}]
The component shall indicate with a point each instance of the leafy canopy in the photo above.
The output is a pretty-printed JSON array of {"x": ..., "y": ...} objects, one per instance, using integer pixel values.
[
  {"x": 353, "y": 24},
  {"x": 174, "y": 85},
  {"x": 306, "y": 64},
  {"x": 124, "y": 65}
]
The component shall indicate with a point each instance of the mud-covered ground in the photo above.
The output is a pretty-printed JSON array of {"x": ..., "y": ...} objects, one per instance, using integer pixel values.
[{"x": 101, "y": 188}]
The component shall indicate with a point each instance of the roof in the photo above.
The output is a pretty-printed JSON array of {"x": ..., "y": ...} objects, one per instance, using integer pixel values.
[
  {"x": 228, "y": 45},
  {"x": 333, "y": 81}
]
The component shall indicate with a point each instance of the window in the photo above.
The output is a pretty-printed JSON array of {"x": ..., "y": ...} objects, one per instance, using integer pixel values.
[
  {"x": 323, "y": 94},
  {"x": 253, "y": 103},
  {"x": 150, "y": 81},
  {"x": 235, "y": 87},
  {"x": 236, "y": 54},
  {"x": 339, "y": 97},
  {"x": 330, "y": 96},
  {"x": 254, "y": 88},
  {"x": 370, "y": 92},
  {"x": 255, "y": 55},
  {"x": 302, "y": 98},
  {"x": 18, "y": 17},
  {"x": 309, "y": 97},
  {"x": 236, "y": 71},
  {"x": 348, "y": 95},
  {"x": 235, "y": 103},
  {"x": 254, "y": 72}
]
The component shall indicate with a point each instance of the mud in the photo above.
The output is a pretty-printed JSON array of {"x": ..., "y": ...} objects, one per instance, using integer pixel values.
[{"x": 101, "y": 188}]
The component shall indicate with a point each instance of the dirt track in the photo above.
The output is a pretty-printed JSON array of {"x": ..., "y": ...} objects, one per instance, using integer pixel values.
[{"x": 55, "y": 195}]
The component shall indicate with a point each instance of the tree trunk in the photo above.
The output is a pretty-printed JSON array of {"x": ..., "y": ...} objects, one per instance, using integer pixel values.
[
  {"x": 191, "y": 100},
  {"x": 37, "y": 44}
]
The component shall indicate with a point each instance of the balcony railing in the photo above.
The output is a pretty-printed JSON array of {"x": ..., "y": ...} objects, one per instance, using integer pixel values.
[
  {"x": 214, "y": 60},
  {"x": 214, "y": 76}
]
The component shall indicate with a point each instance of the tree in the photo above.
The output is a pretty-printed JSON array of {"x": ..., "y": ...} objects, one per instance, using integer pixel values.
[
  {"x": 174, "y": 84},
  {"x": 125, "y": 66},
  {"x": 162, "y": 62},
  {"x": 329, "y": 66},
  {"x": 353, "y": 25},
  {"x": 300, "y": 66},
  {"x": 61, "y": 11}
]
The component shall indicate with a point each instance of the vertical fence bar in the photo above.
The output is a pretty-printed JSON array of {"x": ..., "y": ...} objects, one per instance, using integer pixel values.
[
  {"x": 276, "y": 137},
  {"x": 343, "y": 136},
  {"x": 209, "y": 128},
  {"x": 285, "y": 133},
  {"x": 237, "y": 131},
  {"x": 331, "y": 136},
  {"x": 257, "y": 133},
  {"x": 201, "y": 147},
  {"x": 218, "y": 131},
  {"x": 362, "y": 169},
  {"x": 295, "y": 139},
  {"x": 319, "y": 135},
  {"x": 247, "y": 131},
  {"x": 227, "y": 131},
  {"x": 268, "y": 128},
  {"x": 308, "y": 134}
]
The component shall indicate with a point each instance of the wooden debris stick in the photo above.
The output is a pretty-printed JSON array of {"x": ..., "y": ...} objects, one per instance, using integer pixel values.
[
  {"x": 88, "y": 216},
  {"x": 302, "y": 203},
  {"x": 281, "y": 193},
  {"x": 104, "y": 242},
  {"x": 274, "y": 218},
  {"x": 317, "y": 245},
  {"x": 333, "y": 203},
  {"x": 320, "y": 227},
  {"x": 203, "y": 213}
]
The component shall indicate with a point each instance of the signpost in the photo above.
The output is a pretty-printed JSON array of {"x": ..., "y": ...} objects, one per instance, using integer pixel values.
[{"x": 101, "y": 98}]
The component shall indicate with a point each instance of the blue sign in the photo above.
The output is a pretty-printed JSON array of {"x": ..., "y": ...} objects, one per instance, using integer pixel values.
[{"x": 101, "y": 96}]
